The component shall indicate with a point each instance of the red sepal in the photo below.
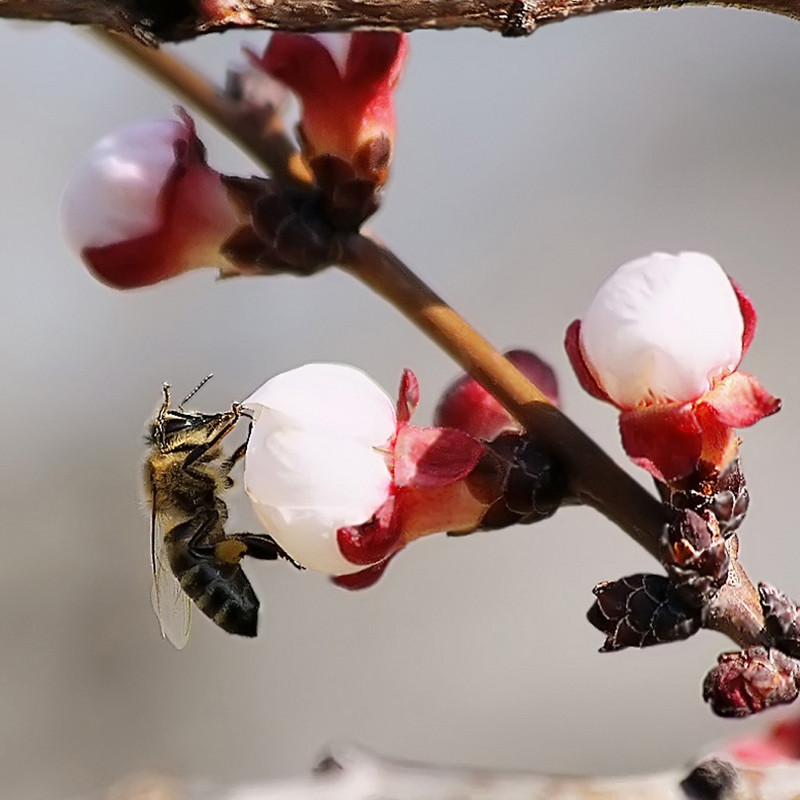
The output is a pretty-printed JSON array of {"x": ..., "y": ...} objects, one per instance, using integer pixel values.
[
  {"x": 572, "y": 344},
  {"x": 408, "y": 397},
  {"x": 372, "y": 541},
  {"x": 364, "y": 579},
  {"x": 666, "y": 440},
  {"x": 426, "y": 458},
  {"x": 739, "y": 400},
  {"x": 748, "y": 314}
]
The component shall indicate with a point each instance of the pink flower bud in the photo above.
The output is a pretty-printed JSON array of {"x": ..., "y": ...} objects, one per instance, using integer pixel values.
[
  {"x": 345, "y": 83},
  {"x": 662, "y": 341},
  {"x": 341, "y": 480},
  {"x": 144, "y": 206},
  {"x": 466, "y": 405}
]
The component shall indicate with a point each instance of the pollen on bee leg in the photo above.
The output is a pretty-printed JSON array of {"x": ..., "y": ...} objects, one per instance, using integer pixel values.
[{"x": 231, "y": 551}]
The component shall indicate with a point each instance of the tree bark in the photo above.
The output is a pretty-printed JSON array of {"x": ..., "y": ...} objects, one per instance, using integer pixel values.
[{"x": 156, "y": 21}]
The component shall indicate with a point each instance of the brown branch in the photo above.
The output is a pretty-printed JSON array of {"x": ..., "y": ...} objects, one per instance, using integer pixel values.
[{"x": 175, "y": 20}]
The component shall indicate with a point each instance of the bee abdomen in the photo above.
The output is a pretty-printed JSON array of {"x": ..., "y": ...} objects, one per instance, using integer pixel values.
[{"x": 227, "y": 599}]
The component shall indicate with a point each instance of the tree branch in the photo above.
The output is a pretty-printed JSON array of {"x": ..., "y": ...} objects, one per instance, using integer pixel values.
[{"x": 176, "y": 20}]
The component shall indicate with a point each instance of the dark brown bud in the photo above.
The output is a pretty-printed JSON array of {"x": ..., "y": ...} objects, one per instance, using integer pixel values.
[
  {"x": 748, "y": 681},
  {"x": 534, "y": 486},
  {"x": 694, "y": 554},
  {"x": 640, "y": 611},
  {"x": 781, "y": 618},
  {"x": 285, "y": 234},
  {"x": 347, "y": 197},
  {"x": 723, "y": 493}
]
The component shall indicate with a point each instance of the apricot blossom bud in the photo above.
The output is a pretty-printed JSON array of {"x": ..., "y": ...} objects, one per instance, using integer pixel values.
[
  {"x": 317, "y": 459},
  {"x": 341, "y": 481},
  {"x": 345, "y": 83},
  {"x": 144, "y": 205},
  {"x": 466, "y": 405},
  {"x": 662, "y": 341}
]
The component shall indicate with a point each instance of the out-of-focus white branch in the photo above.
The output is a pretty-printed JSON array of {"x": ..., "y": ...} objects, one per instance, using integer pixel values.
[{"x": 351, "y": 773}]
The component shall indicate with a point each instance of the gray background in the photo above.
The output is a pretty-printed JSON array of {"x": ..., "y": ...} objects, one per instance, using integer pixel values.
[{"x": 525, "y": 172}]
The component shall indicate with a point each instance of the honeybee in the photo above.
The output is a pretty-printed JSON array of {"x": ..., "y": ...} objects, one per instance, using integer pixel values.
[{"x": 192, "y": 556}]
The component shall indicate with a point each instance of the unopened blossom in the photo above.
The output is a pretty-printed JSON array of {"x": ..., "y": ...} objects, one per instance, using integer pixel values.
[
  {"x": 662, "y": 341},
  {"x": 466, "y": 405},
  {"x": 341, "y": 481},
  {"x": 345, "y": 83},
  {"x": 144, "y": 206}
]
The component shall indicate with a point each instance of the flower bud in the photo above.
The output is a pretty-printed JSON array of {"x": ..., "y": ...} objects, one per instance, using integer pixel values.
[
  {"x": 662, "y": 341},
  {"x": 144, "y": 206},
  {"x": 781, "y": 619},
  {"x": 748, "y": 681},
  {"x": 466, "y": 405},
  {"x": 695, "y": 556},
  {"x": 317, "y": 459},
  {"x": 341, "y": 481},
  {"x": 640, "y": 611},
  {"x": 345, "y": 83}
]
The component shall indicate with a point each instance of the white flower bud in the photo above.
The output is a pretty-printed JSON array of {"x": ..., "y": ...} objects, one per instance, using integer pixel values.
[
  {"x": 662, "y": 328},
  {"x": 317, "y": 459},
  {"x": 113, "y": 194},
  {"x": 144, "y": 206}
]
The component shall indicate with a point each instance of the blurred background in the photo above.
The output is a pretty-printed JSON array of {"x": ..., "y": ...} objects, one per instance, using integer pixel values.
[{"x": 526, "y": 171}]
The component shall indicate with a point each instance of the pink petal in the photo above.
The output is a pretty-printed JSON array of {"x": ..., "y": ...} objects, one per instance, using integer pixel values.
[
  {"x": 303, "y": 64},
  {"x": 666, "y": 440},
  {"x": 739, "y": 400},
  {"x": 572, "y": 344},
  {"x": 434, "y": 457},
  {"x": 375, "y": 58},
  {"x": 408, "y": 397},
  {"x": 748, "y": 315}
]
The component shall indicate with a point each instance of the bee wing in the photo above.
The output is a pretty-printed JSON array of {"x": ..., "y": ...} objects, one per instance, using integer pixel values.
[{"x": 171, "y": 604}]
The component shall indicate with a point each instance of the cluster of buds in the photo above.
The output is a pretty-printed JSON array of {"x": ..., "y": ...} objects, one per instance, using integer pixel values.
[
  {"x": 662, "y": 341},
  {"x": 342, "y": 481},
  {"x": 145, "y": 206}
]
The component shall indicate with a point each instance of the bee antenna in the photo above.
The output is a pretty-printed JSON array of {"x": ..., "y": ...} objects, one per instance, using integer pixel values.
[{"x": 196, "y": 390}]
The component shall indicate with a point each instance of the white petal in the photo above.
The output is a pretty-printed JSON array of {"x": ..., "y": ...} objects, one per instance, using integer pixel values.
[
  {"x": 330, "y": 397},
  {"x": 338, "y": 45},
  {"x": 112, "y": 195},
  {"x": 306, "y": 482},
  {"x": 661, "y": 328}
]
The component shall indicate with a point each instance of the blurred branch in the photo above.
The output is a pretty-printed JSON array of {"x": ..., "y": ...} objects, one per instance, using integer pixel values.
[
  {"x": 354, "y": 774},
  {"x": 175, "y": 20}
]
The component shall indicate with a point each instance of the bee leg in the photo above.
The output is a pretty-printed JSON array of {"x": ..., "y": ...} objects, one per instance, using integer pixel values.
[
  {"x": 264, "y": 547},
  {"x": 238, "y": 454},
  {"x": 202, "y": 449}
]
